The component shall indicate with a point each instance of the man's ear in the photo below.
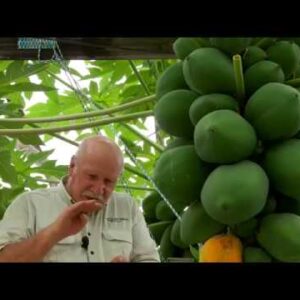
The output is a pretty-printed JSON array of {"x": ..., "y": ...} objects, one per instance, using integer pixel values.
[{"x": 72, "y": 165}]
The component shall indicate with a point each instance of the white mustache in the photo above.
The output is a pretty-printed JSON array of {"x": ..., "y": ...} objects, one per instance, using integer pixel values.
[{"x": 93, "y": 196}]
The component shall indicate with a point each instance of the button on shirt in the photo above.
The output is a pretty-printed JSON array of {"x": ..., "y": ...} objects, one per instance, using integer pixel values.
[{"x": 117, "y": 229}]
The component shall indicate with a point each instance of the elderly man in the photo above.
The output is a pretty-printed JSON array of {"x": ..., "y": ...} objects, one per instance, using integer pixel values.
[{"x": 80, "y": 220}]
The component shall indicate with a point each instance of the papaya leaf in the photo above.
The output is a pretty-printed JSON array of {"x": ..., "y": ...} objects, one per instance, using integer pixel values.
[
  {"x": 111, "y": 96},
  {"x": 10, "y": 109},
  {"x": 50, "y": 169},
  {"x": 30, "y": 139},
  {"x": 4, "y": 64},
  {"x": 132, "y": 91},
  {"x": 17, "y": 71},
  {"x": 134, "y": 148},
  {"x": 43, "y": 109},
  {"x": 34, "y": 158},
  {"x": 28, "y": 95},
  {"x": 96, "y": 73},
  {"x": 7, "y": 195},
  {"x": 67, "y": 105},
  {"x": 33, "y": 183},
  {"x": 54, "y": 68},
  {"x": 19, "y": 162},
  {"x": 14, "y": 68},
  {"x": 93, "y": 89},
  {"x": 11, "y": 125},
  {"x": 122, "y": 68},
  {"x": 5, "y": 144},
  {"x": 105, "y": 84},
  {"x": 7, "y": 171},
  {"x": 103, "y": 65},
  {"x": 17, "y": 98},
  {"x": 21, "y": 87},
  {"x": 75, "y": 72},
  {"x": 27, "y": 139}
]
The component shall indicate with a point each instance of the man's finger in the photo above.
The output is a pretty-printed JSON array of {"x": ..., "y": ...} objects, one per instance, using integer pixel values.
[
  {"x": 84, "y": 217},
  {"x": 103, "y": 202},
  {"x": 84, "y": 207}
]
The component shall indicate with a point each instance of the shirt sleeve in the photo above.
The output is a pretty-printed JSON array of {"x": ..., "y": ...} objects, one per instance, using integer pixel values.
[
  {"x": 17, "y": 223},
  {"x": 144, "y": 247}
]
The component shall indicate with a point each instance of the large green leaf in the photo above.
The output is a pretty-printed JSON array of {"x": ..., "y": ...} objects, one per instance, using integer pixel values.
[
  {"x": 106, "y": 89},
  {"x": 93, "y": 89},
  {"x": 4, "y": 64},
  {"x": 50, "y": 169},
  {"x": 105, "y": 84},
  {"x": 17, "y": 71},
  {"x": 17, "y": 98},
  {"x": 75, "y": 72},
  {"x": 54, "y": 67},
  {"x": 30, "y": 139},
  {"x": 102, "y": 66},
  {"x": 14, "y": 69},
  {"x": 27, "y": 139},
  {"x": 28, "y": 95},
  {"x": 96, "y": 73},
  {"x": 21, "y": 87},
  {"x": 67, "y": 105},
  {"x": 38, "y": 157},
  {"x": 7, "y": 195},
  {"x": 121, "y": 68},
  {"x": 12, "y": 125},
  {"x": 133, "y": 91},
  {"x": 10, "y": 109},
  {"x": 48, "y": 80},
  {"x": 5, "y": 144},
  {"x": 43, "y": 109},
  {"x": 7, "y": 171},
  {"x": 133, "y": 147},
  {"x": 33, "y": 183},
  {"x": 20, "y": 164},
  {"x": 111, "y": 97}
]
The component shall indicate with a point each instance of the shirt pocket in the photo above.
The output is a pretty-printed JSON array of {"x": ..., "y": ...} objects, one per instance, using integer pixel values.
[
  {"x": 117, "y": 242},
  {"x": 65, "y": 250}
]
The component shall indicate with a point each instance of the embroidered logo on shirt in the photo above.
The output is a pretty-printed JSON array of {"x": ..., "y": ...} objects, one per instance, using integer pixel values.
[{"x": 118, "y": 220}]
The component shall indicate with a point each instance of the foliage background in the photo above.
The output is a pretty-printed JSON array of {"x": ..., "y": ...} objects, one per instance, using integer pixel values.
[{"x": 110, "y": 83}]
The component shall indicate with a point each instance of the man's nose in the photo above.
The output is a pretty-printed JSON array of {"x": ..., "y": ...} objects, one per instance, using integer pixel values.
[{"x": 99, "y": 187}]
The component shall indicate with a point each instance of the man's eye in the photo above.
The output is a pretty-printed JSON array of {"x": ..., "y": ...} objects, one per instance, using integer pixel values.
[
  {"x": 108, "y": 181},
  {"x": 93, "y": 177}
]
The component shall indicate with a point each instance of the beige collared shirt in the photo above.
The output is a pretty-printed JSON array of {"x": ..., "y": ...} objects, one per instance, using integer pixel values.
[{"x": 117, "y": 229}]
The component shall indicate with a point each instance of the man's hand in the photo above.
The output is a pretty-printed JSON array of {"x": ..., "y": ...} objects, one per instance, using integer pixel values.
[
  {"x": 120, "y": 259},
  {"x": 69, "y": 222},
  {"x": 74, "y": 218}
]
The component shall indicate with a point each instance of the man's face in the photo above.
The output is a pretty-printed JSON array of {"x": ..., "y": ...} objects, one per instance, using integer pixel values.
[{"x": 91, "y": 178}]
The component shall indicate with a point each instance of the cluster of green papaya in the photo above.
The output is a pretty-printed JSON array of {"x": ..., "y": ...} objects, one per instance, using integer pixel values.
[{"x": 232, "y": 109}]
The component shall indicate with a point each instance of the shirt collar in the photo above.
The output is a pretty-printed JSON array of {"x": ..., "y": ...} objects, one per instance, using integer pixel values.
[{"x": 63, "y": 192}]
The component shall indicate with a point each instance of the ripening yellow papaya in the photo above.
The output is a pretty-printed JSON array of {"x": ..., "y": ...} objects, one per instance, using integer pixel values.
[{"x": 222, "y": 248}]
